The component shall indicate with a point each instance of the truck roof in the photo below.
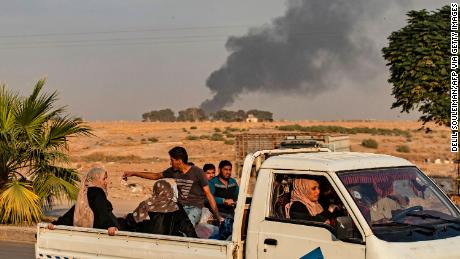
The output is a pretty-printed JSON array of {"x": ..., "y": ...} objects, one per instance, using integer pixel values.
[{"x": 333, "y": 161}]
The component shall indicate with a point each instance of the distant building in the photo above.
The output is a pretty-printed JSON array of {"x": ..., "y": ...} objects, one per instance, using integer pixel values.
[{"x": 251, "y": 118}]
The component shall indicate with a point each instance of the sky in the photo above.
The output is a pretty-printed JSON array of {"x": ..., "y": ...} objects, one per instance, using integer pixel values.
[{"x": 115, "y": 59}]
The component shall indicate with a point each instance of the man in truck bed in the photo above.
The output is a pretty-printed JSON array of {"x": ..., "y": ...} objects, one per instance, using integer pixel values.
[
  {"x": 191, "y": 183},
  {"x": 225, "y": 189}
]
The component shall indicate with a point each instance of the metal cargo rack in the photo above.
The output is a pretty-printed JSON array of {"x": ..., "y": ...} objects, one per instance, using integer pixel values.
[{"x": 251, "y": 142}]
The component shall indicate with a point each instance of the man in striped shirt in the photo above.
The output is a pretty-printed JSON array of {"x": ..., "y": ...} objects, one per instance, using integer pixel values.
[{"x": 191, "y": 183}]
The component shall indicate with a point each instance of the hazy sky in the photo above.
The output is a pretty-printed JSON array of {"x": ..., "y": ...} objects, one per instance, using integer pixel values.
[{"x": 114, "y": 59}]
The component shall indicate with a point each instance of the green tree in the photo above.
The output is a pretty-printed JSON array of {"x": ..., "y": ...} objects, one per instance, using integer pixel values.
[
  {"x": 33, "y": 141},
  {"x": 261, "y": 115},
  {"x": 192, "y": 114},
  {"x": 160, "y": 115},
  {"x": 229, "y": 116},
  {"x": 418, "y": 58},
  {"x": 224, "y": 115}
]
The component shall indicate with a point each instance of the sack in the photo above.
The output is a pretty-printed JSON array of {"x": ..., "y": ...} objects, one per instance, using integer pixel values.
[
  {"x": 204, "y": 230},
  {"x": 206, "y": 215}
]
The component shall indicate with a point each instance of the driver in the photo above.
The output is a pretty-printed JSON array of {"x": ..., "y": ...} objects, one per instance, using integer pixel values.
[
  {"x": 384, "y": 208},
  {"x": 304, "y": 203}
]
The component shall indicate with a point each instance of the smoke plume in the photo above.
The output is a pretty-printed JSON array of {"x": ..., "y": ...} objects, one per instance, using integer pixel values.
[{"x": 301, "y": 51}]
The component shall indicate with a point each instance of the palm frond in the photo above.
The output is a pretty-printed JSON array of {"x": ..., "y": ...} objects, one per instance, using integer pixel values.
[
  {"x": 12, "y": 158},
  {"x": 61, "y": 129},
  {"x": 8, "y": 103},
  {"x": 55, "y": 182},
  {"x": 37, "y": 88},
  {"x": 19, "y": 204},
  {"x": 34, "y": 111}
]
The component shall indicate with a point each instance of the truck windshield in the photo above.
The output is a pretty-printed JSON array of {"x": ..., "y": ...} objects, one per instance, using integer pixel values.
[{"x": 401, "y": 205}]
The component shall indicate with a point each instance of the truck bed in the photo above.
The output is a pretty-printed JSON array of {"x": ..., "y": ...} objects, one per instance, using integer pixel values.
[{"x": 73, "y": 242}]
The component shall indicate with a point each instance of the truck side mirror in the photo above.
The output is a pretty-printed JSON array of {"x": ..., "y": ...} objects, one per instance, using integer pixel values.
[{"x": 346, "y": 231}]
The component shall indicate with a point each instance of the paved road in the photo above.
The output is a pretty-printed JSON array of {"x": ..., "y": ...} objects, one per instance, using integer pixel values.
[{"x": 16, "y": 250}]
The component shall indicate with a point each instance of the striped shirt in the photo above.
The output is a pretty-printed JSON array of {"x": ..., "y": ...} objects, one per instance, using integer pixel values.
[{"x": 190, "y": 185}]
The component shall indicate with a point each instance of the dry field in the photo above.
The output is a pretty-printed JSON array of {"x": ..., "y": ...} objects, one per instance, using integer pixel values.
[{"x": 121, "y": 146}]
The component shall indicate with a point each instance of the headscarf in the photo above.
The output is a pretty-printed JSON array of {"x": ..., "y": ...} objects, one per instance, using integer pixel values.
[
  {"x": 302, "y": 193},
  {"x": 83, "y": 215},
  {"x": 163, "y": 200}
]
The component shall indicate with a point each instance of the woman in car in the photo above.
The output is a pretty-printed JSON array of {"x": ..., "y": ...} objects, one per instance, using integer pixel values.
[{"x": 304, "y": 203}]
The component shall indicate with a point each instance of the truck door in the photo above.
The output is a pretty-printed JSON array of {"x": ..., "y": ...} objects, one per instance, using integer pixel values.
[{"x": 281, "y": 236}]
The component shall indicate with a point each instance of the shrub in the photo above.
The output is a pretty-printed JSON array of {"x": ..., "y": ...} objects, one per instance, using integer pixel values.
[
  {"x": 103, "y": 157},
  {"x": 129, "y": 138},
  {"x": 217, "y": 137},
  {"x": 232, "y": 129},
  {"x": 184, "y": 129},
  {"x": 295, "y": 127},
  {"x": 193, "y": 128},
  {"x": 191, "y": 137},
  {"x": 370, "y": 143},
  {"x": 343, "y": 130},
  {"x": 152, "y": 139},
  {"x": 403, "y": 149},
  {"x": 217, "y": 130},
  {"x": 229, "y": 142},
  {"x": 204, "y": 137}
]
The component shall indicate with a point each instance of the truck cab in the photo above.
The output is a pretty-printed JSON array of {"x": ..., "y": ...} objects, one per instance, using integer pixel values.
[
  {"x": 388, "y": 209},
  {"x": 385, "y": 207}
]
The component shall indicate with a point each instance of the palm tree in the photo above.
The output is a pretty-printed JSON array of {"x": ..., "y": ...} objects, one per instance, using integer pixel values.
[{"x": 33, "y": 142}]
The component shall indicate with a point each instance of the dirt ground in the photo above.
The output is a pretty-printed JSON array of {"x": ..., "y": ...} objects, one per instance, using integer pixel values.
[{"x": 120, "y": 146}]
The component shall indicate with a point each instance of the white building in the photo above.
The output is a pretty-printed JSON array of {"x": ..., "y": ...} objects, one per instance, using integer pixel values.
[{"x": 251, "y": 118}]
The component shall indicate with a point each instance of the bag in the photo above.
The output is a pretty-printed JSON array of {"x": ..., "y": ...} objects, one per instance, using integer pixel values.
[{"x": 225, "y": 228}]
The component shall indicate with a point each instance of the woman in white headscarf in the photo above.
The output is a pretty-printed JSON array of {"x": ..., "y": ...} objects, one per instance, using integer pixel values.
[
  {"x": 304, "y": 203},
  {"x": 92, "y": 209}
]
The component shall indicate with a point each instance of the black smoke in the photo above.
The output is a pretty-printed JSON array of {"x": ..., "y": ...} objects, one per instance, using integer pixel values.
[{"x": 300, "y": 52}]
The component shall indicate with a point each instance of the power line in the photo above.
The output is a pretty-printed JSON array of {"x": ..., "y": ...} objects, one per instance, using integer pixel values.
[
  {"x": 127, "y": 40},
  {"x": 122, "y": 31},
  {"x": 121, "y": 39},
  {"x": 110, "y": 44},
  {"x": 147, "y": 40},
  {"x": 135, "y": 30}
]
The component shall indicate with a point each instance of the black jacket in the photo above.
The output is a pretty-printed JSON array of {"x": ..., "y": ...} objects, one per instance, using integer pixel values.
[
  {"x": 299, "y": 211},
  {"x": 174, "y": 223},
  {"x": 101, "y": 207}
]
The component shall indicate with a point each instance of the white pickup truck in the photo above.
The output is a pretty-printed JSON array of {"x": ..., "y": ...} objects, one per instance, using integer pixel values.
[{"x": 387, "y": 209}]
